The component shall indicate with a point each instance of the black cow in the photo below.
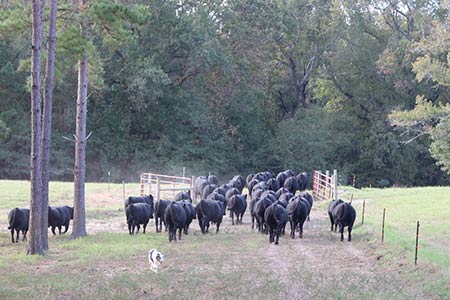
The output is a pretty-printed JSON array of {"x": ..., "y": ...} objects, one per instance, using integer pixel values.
[
  {"x": 209, "y": 211},
  {"x": 258, "y": 212},
  {"x": 137, "y": 214},
  {"x": 237, "y": 205},
  {"x": 249, "y": 178},
  {"x": 231, "y": 192},
  {"x": 160, "y": 207},
  {"x": 331, "y": 206},
  {"x": 303, "y": 180},
  {"x": 208, "y": 189},
  {"x": 59, "y": 216},
  {"x": 273, "y": 185},
  {"x": 218, "y": 197},
  {"x": 139, "y": 199},
  {"x": 297, "y": 212},
  {"x": 285, "y": 196},
  {"x": 270, "y": 194},
  {"x": 212, "y": 179},
  {"x": 250, "y": 186},
  {"x": 221, "y": 190},
  {"x": 252, "y": 210},
  {"x": 199, "y": 184},
  {"x": 257, "y": 193},
  {"x": 291, "y": 184},
  {"x": 261, "y": 176},
  {"x": 289, "y": 173},
  {"x": 275, "y": 218},
  {"x": 19, "y": 219},
  {"x": 281, "y": 178},
  {"x": 190, "y": 214},
  {"x": 185, "y": 195},
  {"x": 282, "y": 190},
  {"x": 308, "y": 198},
  {"x": 175, "y": 218},
  {"x": 344, "y": 215},
  {"x": 238, "y": 182}
]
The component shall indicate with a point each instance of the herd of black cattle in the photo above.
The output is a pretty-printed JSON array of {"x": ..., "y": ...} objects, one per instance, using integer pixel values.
[{"x": 273, "y": 203}]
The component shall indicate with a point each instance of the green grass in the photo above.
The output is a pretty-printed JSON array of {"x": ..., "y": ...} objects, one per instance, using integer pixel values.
[
  {"x": 232, "y": 264},
  {"x": 404, "y": 207}
]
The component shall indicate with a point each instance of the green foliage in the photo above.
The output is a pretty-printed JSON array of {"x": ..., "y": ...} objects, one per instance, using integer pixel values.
[
  {"x": 309, "y": 141},
  {"x": 12, "y": 20},
  {"x": 72, "y": 44},
  {"x": 218, "y": 88},
  {"x": 440, "y": 148}
]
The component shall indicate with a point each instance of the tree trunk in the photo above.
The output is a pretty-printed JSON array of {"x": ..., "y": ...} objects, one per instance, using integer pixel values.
[
  {"x": 79, "y": 213},
  {"x": 47, "y": 118},
  {"x": 35, "y": 244}
]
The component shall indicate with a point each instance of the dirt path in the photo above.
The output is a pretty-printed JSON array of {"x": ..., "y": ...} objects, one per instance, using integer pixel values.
[{"x": 295, "y": 262}]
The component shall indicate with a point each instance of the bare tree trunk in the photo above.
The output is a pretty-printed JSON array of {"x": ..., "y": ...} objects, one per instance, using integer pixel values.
[
  {"x": 79, "y": 213},
  {"x": 47, "y": 118},
  {"x": 35, "y": 245}
]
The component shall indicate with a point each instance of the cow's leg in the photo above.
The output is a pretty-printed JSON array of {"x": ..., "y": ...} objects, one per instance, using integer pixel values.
[
  {"x": 170, "y": 233},
  {"x": 129, "y": 228},
  {"x": 218, "y": 225},
  {"x": 204, "y": 222},
  {"x": 301, "y": 229},
  {"x": 17, "y": 235},
  {"x": 277, "y": 234},
  {"x": 253, "y": 222},
  {"x": 331, "y": 221},
  {"x": 350, "y": 233},
  {"x": 179, "y": 233},
  {"x": 12, "y": 235},
  {"x": 271, "y": 235},
  {"x": 66, "y": 227},
  {"x": 24, "y": 238},
  {"x": 207, "y": 226},
  {"x": 59, "y": 229},
  {"x": 145, "y": 226},
  {"x": 341, "y": 230},
  {"x": 261, "y": 224},
  {"x": 53, "y": 230},
  {"x": 232, "y": 217},
  {"x": 292, "y": 229}
]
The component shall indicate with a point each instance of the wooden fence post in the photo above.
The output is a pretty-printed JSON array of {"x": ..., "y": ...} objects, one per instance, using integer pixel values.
[
  {"x": 335, "y": 184},
  {"x": 123, "y": 189},
  {"x": 194, "y": 198},
  {"x": 364, "y": 207},
  {"x": 158, "y": 186},
  {"x": 417, "y": 243},
  {"x": 382, "y": 227}
]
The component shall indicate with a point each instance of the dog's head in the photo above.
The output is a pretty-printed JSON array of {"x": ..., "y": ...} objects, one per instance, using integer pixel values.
[{"x": 155, "y": 257}]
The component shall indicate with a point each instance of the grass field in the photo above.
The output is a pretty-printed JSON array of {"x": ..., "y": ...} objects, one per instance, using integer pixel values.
[{"x": 237, "y": 263}]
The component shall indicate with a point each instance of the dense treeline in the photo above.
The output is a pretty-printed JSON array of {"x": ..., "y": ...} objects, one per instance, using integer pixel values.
[{"x": 233, "y": 86}]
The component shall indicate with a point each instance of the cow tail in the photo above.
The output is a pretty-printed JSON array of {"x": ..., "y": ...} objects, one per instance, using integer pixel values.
[{"x": 200, "y": 208}]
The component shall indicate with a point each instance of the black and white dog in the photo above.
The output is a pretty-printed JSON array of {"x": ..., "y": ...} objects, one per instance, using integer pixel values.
[{"x": 155, "y": 258}]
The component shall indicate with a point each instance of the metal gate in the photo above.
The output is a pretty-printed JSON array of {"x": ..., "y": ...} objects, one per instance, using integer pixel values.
[
  {"x": 324, "y": 185},
  {"x": 164, "y": 185}
]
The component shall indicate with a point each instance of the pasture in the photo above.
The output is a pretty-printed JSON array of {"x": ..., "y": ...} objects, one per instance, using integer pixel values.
[{"x": 237, "y": 263}]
